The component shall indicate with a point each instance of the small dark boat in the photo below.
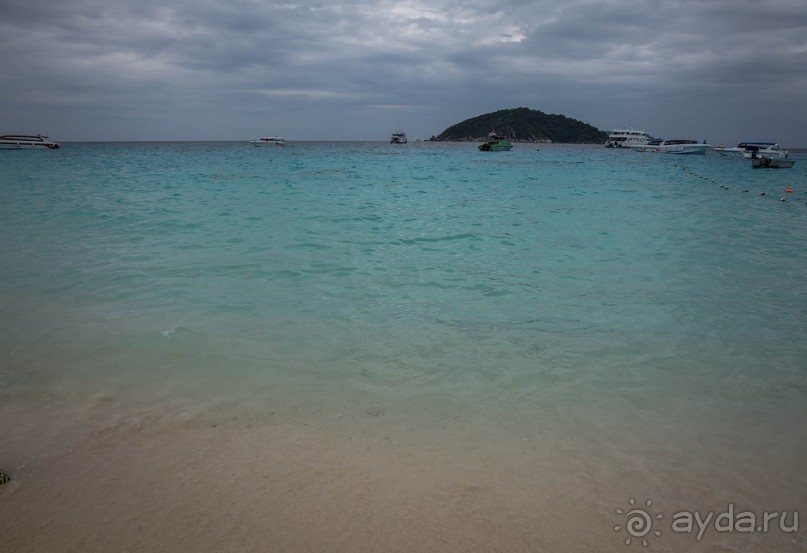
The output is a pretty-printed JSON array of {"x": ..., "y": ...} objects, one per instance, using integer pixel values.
[{"x": 495, "y": 143}]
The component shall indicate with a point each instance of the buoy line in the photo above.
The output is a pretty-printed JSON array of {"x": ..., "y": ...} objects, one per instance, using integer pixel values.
[{"x": 783, "y": 199}]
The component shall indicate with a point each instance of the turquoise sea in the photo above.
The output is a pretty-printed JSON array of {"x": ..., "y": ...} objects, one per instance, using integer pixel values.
[{"x": 467, "y": 351}]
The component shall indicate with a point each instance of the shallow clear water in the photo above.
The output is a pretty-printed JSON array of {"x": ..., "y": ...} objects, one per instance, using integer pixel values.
[{"x": 626, "y": 311}]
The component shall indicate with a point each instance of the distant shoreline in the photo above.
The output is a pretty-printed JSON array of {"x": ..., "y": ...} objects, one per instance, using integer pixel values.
[{"x": 793, "y": 150}]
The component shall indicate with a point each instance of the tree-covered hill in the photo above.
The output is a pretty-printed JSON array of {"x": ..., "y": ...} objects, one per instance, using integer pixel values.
[{"x": 524, "y": 125}]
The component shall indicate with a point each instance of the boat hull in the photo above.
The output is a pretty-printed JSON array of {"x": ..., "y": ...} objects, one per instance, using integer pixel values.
[
  {"x": 29, "y": 146},
  {"x": 772, "y": 154},
  {"x": 645, "y": 148},
  {"x": 697, "y": 149},
  {"x": 495, "y": 146},
  {"x": 768, "y": 163}
]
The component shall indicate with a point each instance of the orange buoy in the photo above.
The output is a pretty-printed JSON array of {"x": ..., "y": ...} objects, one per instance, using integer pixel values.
[{"x": 788, "y": 190}]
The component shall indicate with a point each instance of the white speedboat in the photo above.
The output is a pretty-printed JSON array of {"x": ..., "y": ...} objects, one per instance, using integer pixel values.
[
  {"x": 626, "y": 138},
  {"x": 682, "y": 146},
  {"x": 746, "y": 147},
  {"x": 269, "y": 141},
  {"x": 398, "y": 137},
  {"x": 19, "y": 141},
  {"x": 772, "y": 153},
  {"x": 651, "y": 146}
]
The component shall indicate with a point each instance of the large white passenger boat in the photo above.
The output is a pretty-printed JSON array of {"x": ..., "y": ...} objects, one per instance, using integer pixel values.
[
  {"x": 626, "y": 138},
  {"x": 398, "y": 137},
  {"x": 19, "y": 141}
]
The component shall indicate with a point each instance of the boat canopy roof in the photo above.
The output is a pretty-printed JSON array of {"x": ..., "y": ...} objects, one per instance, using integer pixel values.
[
  {"x": 683, "y": 141},
  {"x": 757, "y": 144},
  {"x": 38, "y": 137}
]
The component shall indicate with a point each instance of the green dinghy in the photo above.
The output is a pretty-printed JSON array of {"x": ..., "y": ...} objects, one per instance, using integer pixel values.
[{"x": 495, "y": 143}]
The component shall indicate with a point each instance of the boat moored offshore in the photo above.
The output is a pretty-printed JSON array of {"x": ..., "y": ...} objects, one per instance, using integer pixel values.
[
  {"x": 772, "y": 152},
  {"x": 269, "y": 141},
  {"x": 651, "y": 146},
  {"x": 495, "y": 143},
  {"x": 766, "y": 162},
  {"x": 682, "y": 146},
  {"x": 747, "y": 147},
  {"x": 20, "y": 141},
  {"x": 626, "y": 138},
  {"x": 398, "y": 137}
]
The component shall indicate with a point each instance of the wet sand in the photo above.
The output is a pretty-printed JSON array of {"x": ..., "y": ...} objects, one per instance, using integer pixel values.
[{"x": 101, "y": 474}]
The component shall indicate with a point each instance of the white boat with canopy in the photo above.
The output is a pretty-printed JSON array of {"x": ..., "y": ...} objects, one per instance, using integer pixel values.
[{"x": 744, "y": 147}]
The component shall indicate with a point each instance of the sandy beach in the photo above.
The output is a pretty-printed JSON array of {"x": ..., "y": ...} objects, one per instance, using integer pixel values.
[{"x": 100, "y": 474}]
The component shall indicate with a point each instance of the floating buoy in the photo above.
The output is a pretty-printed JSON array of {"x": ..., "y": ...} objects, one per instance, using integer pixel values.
[
  {"x": 788, "y": 190},
  {"x": 4, "y": 477}
]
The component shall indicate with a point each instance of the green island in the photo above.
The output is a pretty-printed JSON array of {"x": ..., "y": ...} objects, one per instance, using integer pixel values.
[{"x": 523, "y": 125}]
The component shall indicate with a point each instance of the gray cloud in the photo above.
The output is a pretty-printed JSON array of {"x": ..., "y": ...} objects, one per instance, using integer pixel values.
[{"x": 198, "y": 69}]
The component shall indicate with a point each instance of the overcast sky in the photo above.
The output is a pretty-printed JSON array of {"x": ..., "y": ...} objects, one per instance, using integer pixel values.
[{"x": 720, "y": 70}]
